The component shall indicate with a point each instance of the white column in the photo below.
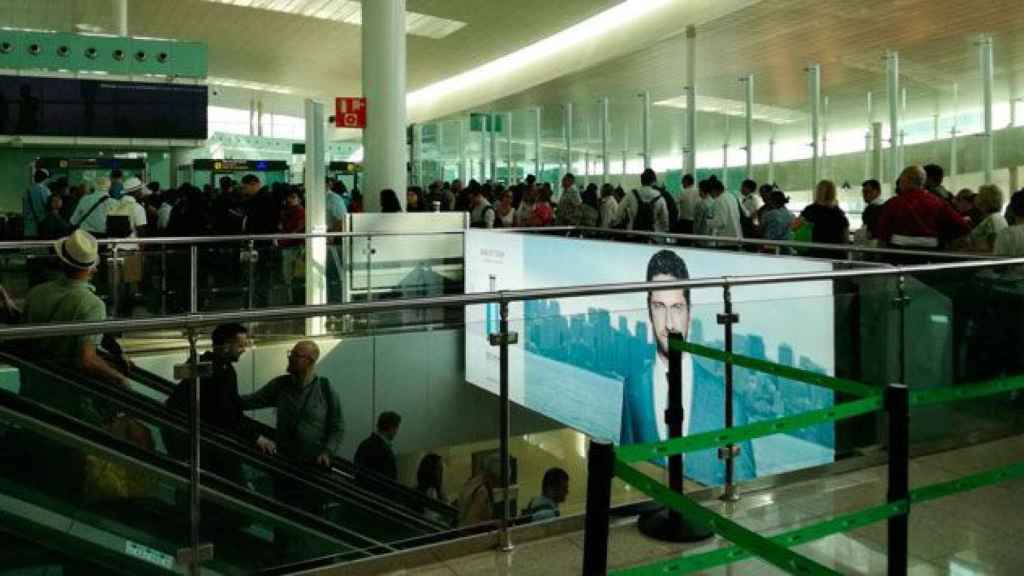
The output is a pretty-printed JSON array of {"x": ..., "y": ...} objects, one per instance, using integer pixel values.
[
  {"x": 987, "y": 80},
  {"x": 484, "y": 122},
  {"x": 748, "y": 121},
  {"x": 826, "y": 168},
  {"x": 494, "y": 147},
  {"x": 954, "y": 132},
  {"x": 892, "y": 66},
  {"x": 384, "y": 73},
  {"x": 605, "y": 164},
  {"x": 645, "y": 100},
  {"x": 259, "y": 117},
  {"x": 538, "y": 149},
  {"x": 316, "y": 213},
  {"x": 508, "y": 151},
  {"x": 586, "y": 155},
  {"x": 814, "y": 94},
  {"x": 252, "y": 116},
  {"x": 903, "y": 133},
  {"x": 876, "y": 156},
  {"x": 691, "y": 100},
  {"x": 462, "y": 150},
  {"x": 121, "y": 17},
  {"x": 867, "y": 138},
  {"x": 771, "y": 159},
  {"x": 567, "y": 128}
]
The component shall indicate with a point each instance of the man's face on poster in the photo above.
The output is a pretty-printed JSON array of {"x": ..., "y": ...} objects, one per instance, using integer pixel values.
[{"x": 670, "y": 312}]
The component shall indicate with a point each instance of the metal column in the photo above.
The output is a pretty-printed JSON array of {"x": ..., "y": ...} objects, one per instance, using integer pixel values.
[
  {"x": 384, "y": 83},
  {"x": 605, "y": 165},
  {"x": 867, "y": 141},
  {"x": 825, "y": 167},
  {"x": 503, "y": 339},
  {"x": 567, "y": 113},
  {"x": 876, "y": 155},
  {"x": 729, "y": 453},
  {"x": 814, "y": 94},
  {"x": 484, "y": 120},
  {"x": 462, "y": 150},
  {"x": 987, "y": 80},
  {"x": 892, "y": 66},
  {"x": 954, "y": 132},
  {"x": 691, "y": 100},
  {"x": 897, "y": 406},
  {"x": 748, "y": 122},
  {"x": 645, "y": 99},
  {"x": 538, "y": 150},
  {"x": 771, "y": 158},
  {"x": 316, "y": 214},
  {"x": 494, "y": 147},
  {"x": 121, "y": 17}
]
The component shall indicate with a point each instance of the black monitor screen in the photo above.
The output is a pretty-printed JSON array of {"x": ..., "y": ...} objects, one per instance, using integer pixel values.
[{"x": 101, "y": 108}]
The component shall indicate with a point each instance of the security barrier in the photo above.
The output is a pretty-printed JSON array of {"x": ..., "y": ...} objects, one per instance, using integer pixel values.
[{"x": 607, "y": 461}]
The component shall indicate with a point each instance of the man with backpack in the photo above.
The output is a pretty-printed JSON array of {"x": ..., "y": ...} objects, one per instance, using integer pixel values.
[{"x": 645, "y": 209}]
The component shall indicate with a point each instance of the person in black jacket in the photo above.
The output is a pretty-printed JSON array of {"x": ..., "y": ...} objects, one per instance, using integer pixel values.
[
  {"x": 221, "y": 405},
  {"x": 375, "y": 453}
]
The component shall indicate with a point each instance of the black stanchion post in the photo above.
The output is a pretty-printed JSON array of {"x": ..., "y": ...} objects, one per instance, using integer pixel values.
[
  {"x": 729, "y": 452},
  {"x": 665, "y": 523},
  {"x": 600, "y": 469},
  {"x": 897, "y": 405}
]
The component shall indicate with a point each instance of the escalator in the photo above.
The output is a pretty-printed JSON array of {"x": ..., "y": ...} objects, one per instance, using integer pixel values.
[{"x": 72, "y": 480}]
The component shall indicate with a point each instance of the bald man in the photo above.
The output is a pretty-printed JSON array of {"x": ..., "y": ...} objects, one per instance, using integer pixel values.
[
  {"x": 917, "y": 219},
  {"x": 310, "y": 423}
]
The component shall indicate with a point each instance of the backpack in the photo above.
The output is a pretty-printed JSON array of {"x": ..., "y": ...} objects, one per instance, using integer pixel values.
[
  {"x": 644, "y": 219},
  {"x": 482, "y": 222},
  {"x": 673, "y": 211},
  {"x": 119, "y": 220}
]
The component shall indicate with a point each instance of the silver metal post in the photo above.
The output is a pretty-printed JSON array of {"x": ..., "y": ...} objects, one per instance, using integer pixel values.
[
  {"x": 987, "y": 79},
  {"x": 814, "y": 93},
  {"x": 503, "y": 339},
  {"x": 867, "y": 139},
  {"x": 194, "y": 445},
  {"x": 877, "y": 158},
  {"x": 494, "y": 147},
  {"x": 193, "y": 281},
  {"x": 691, "y": 99},
  {"x": 826, "y": 169},
  {"x": 251, "y": 261},
  {"x": 901, "y": 302},
  {"x": 484, "y": 120},
  {"x": 748, "y": 122},
  {"x": 605, "y": 164},
  {"x": 370, "y": 251},
  {"x": 114, "y": 278},
  {"x": 508, "y": 151},
  {"x": 954, "y": 132},
  {"x": 645, "y": 99},
  {"x": 731, "y": 451},
  {"x": 462, "y": 151},
  {"x": 771, "y": 157},
  {"x": 892, "y": 66}
]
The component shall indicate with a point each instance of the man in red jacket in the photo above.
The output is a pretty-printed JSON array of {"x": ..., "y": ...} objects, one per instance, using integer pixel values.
[{"x": 915, "y": 219}]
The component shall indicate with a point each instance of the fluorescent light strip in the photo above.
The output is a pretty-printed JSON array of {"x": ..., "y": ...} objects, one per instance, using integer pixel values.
[
  {"x": 584, "y": 32},
  {"x": 350, "y": 12}
]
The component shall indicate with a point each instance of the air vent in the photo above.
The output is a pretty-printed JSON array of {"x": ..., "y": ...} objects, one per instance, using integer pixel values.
[
  {"x": 91, "y": 53},
  {"x": 162, "y": 57},
  {"x": 118, "y": 54},
  {"x": 140, "y": 56},
  {"x": 63, "y": 51},
  {"x": 6, "y": 47},
  {"x": 35, "y": 49}
]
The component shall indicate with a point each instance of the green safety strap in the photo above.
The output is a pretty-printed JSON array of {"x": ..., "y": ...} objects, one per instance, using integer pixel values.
[
  {"x": 846, "y": 522},
  {"x": 835, "y": 384},
  {"x": 929, "y": 397},
  {"x": 775, "y": 554},
  {"x": 715, "y": 438},
  {"x": 724, "y": 556}
]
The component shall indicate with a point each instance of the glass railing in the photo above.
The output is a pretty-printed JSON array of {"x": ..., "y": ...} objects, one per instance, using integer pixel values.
[{"x": 572, "y": 375}]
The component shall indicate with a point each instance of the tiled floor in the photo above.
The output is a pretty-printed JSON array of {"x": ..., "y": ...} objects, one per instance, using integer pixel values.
[{"x": 970, "y": 534}]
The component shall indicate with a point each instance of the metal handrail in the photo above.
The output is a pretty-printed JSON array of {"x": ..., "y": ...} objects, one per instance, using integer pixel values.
[
  {"x": 788, "y": 244},
  {"x": 299, "y": 312}
]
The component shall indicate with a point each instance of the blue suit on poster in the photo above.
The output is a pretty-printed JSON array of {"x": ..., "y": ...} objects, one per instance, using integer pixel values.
[{"x": 706, "y": 413}]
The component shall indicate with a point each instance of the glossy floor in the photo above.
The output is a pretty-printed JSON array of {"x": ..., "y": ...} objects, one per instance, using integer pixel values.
[{"x": 970, "y": 534}]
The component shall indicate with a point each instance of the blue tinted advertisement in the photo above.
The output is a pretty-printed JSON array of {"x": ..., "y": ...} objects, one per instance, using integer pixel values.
[{"x": 597, "y": 364}]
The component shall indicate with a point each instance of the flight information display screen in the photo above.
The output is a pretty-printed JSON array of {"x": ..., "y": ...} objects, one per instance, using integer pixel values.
[{"x": 101, "y": 108}]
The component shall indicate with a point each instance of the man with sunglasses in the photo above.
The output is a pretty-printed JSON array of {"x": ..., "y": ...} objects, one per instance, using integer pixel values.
[{"x": 310, "y": 423}]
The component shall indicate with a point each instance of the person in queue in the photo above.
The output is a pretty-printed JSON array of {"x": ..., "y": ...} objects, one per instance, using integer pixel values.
[
  {"x": 310, "y": 421},
  {"x": 554, "y": 490}
]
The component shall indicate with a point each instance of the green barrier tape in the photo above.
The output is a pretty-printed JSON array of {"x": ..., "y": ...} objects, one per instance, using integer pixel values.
[
  {"x": 775, "y": 554},
  {"x": 928, "y": 397},
  {"x": 715, "y": 438},
  {"x": 972, "y": 482},
  {"x": 724, "y": 556},
  {"x": 835, "y": 384}
]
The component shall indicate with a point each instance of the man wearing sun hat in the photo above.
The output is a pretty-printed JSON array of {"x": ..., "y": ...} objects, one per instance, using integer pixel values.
[{"x": 68, "y": 299}]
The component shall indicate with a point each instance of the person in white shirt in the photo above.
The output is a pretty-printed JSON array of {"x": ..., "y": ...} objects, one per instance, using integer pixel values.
[
  {"x": 689, "y": 202},
  {"x": 630, "y": 207},
  {"x": 129, "y": 205},
  {"x": 609, "y": 207},
  {"x": 749, "y": 199},
  {"x": 1010, "y": 241},
  {"x": 725, "y": 218},
  {"x": 91, "y": 213},
  {"x": 163, "y": 213}
]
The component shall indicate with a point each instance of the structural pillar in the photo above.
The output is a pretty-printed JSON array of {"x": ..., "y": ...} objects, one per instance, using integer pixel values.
[
  {"x": 121, "y": 17},
  {"x": 567, "y": 128},
  {"x": 484, "y": 122},
  {"x": 987, "y": 80},
  {"x": 954, "y": 132},
  {"x": 691, "y": 100},
  {"x": 748, "y": 122},
  {"x": 771, "y": 159},
  {"x": 646, "y": 127},
  {"x": 814, "y": 93},
  {"x": 538, "y": 154},
  {"x": 892, "y": 66},
  {"x": 508, "y": 150},
  {"x": 494, "y": 147},
  {"x": 605, "y": 168},
  {"x": 876, "y": 155},
  {"x": 384, "y": 86},
  {"x": 316, "y": 213},
  {"x": 462, "y": 150}
]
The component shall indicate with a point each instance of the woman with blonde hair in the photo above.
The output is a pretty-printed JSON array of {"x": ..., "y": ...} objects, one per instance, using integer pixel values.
[
  {"x": 829, "y": 222},
  {"x": 989, "y": 202}
]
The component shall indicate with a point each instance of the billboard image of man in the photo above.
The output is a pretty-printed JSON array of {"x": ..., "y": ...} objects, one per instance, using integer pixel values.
[{"x": 645, "y": 390}]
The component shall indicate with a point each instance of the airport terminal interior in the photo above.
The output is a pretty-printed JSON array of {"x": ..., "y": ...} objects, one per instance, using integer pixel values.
[{"x": 479, "y": 287}]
